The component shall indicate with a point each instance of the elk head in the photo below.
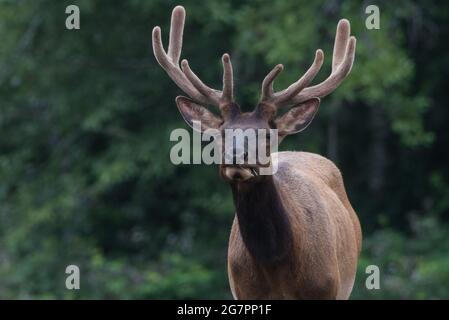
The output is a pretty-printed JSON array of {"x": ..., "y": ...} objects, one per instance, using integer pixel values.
[{"x": 301, "y": 101}]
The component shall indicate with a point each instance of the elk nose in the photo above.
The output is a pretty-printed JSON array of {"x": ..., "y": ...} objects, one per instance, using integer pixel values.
[
  {"x": 237, "y": 174},
  {"x": 240, "y": 153},
  {"x": 235, "y": 155}
]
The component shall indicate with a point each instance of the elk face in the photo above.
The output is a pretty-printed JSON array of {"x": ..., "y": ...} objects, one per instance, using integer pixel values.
[
  {"x": 300, "y": 99},
  {"x": 247, "y": 139}
]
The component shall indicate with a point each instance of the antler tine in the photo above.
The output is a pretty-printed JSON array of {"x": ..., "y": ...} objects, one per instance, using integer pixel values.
[
  {"x": 218, "y": 97},
  {"x": 295, "y": 88},
  {"x": 342, "y": 60},
  {"x": 341, "y": 42},
  {"x": 228, "y": 79},
  {"x": 213, "y": 95},
  {"x": 176, "y": 32},
  {"x": 183, "y": 76},
  {"x": 267, "y": 84}
]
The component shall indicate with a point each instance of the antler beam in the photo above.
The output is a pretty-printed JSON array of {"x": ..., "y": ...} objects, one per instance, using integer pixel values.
[
  {"x": 342, "y": 60},
  {"x": 183, "y": 76}
]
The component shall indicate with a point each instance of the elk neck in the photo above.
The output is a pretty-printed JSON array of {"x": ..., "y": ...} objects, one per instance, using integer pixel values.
[{"x": 263, "y": 221}]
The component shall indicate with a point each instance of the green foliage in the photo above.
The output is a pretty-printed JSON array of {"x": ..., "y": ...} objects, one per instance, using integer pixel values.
[
  {"x": 85, "y": 118},
  {"x": 411, "y": 267}
]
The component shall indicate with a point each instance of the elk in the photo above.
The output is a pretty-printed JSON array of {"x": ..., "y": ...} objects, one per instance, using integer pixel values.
[{"x": 295, "y": 234}]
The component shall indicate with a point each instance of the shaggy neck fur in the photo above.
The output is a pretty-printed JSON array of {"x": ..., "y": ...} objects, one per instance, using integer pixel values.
[{"x": 263, "y": 222}]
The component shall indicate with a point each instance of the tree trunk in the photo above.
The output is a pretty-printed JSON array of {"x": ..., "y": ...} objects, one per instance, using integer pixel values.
[{"x": 378, "y": 152}]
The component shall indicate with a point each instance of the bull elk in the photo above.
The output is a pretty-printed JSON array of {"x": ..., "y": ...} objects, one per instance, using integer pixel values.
[{"x": 295, "y": 234}]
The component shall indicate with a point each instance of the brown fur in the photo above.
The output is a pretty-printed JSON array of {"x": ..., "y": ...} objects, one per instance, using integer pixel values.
[{"x": 325, "y": 232}]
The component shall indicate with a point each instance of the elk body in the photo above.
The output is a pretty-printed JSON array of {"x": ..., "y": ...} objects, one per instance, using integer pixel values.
[{"x": 295, "y": 234}]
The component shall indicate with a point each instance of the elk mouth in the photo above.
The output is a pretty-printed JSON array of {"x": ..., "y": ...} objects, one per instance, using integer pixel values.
[{"x": 238, "y": 173}]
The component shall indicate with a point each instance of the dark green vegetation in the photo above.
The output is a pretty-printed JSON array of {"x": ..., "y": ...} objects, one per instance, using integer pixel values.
[{"x": 85, "y": 117}]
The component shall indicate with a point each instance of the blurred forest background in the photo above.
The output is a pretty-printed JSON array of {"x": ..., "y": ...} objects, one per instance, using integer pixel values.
[{"x": 85, "y": 118}]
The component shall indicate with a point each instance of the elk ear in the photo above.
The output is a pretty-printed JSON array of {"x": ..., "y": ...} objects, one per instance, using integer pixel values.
[
  {"x": 192, "y": 111},
  {"x": 298, "y": 117}
]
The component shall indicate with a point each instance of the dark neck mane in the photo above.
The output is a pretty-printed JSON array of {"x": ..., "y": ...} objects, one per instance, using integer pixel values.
[{"x": 263, "y": 222}]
